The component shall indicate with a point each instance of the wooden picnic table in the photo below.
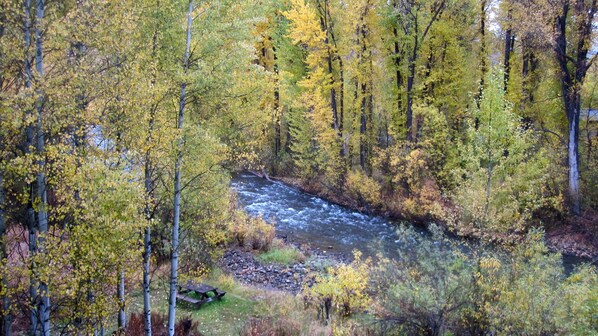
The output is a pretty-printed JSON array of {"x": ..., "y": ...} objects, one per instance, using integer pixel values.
[{"x": 202, "y": 290}]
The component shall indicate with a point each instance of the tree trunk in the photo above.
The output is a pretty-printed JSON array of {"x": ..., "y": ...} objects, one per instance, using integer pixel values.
[
  {"x": 399, "y": 76},
  {"x": 326, "y": 27},
  {"x": 122, "y": 322},
  {"x": 365, "y": 117},
  {"x": 363, "y": 127},
  {"x": 177, "y": 185},
  {"x": 410, "y": 81},
  {"x": 149, "y": 213},
  {"x": 277, "y": 109},
  {"x": 483, "y": 51},
  {"x": 573, "y": 153},
  {"x": 341, "y": 126},
  {"x": 147, "y": 247},
  {"x": 509, "y": 42},
  {"x": 42, "y": 215},
  {"x": 573, "y": 71},
  {"x": 6, "y": 316},
  {"x": 530, "y": 64},
  {"x": 29, "y": 143},
  {"x": 147, "y": 252}
]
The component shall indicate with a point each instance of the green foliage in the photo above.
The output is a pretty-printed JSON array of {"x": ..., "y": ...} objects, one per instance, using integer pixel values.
[
  {"x": 439, "y": 291},
  {"x": 282, "y": 255},
  {"x": 503, "y": 173},
  {"x": 428, "y": 291}
]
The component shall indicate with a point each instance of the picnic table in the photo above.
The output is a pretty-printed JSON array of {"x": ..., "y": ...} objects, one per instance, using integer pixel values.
[{"x": 201, "y": 290}]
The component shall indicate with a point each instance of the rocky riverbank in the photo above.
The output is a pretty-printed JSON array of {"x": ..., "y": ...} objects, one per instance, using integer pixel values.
[{"x": 246, "y": 268}]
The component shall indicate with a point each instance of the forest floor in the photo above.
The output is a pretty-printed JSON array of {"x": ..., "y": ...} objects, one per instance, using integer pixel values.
[{"x": 577, "y": 236}]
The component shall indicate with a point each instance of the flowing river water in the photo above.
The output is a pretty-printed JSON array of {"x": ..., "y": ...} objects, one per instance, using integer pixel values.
[{"x": 304, "y": 218}]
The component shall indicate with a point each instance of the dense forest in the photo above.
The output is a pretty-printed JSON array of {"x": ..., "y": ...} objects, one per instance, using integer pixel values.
[{"x": 122, "y": 122}]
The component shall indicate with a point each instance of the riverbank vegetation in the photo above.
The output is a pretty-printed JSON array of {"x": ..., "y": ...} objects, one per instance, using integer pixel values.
[{"x": 121, "y": 122}]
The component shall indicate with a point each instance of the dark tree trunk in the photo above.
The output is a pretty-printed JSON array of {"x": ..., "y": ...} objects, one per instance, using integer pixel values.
[
  {"x": 29, "y": 143},
  {"x": 530, "y": 64},
  {"x": 122, "y": 322},
  {"x": 418, "y": 40},
  {"x": 398, "y": 74},
  {"x": 509, "y": 43},
  {"x": 342, "y": 108},
  {"x": 573, "y": 69},
  {"x": 5, "y": 313},
  {"x": 483, "y": 51},
  {"x": 363, "y": 127},
  {"x": 277, "y": 109},
  {"x": 410, "y": 81}
]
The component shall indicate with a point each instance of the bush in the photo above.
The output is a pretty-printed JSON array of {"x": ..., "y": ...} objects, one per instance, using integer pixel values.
[
  {"x": 225, "y": 282},
  {"x": 424, "y": 293},
  {"x": 531, "y": 295},
  {"x": 440, "y": 291},
  {"x": 411, "y": 181},
  {"x": 363, "y": 188},
  {"x": 342, "y": 289},
  {"x": 184, "y": 326},
  {"x": 252, "y": 232},
  {"x": 283, "y": 256}
]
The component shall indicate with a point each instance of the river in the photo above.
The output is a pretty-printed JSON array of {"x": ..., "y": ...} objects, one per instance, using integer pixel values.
[{"x": 304, "y": 218}]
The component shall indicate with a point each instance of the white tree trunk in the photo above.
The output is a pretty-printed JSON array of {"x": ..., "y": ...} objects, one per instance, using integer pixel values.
[
  {"x": 147, "y": 252},
  {"x": 177, "y": 186},
  {"x": 147, "y": 243},
  {"x": 122, "y": 321},
  {"x": 574, "y": 166}
]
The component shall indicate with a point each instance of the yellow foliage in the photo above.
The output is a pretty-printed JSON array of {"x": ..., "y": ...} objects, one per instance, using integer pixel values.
[
  {"x": 360, "y": 186},
  {"x": 252, "y": 232},
  {"x": 344, "y": 285}
]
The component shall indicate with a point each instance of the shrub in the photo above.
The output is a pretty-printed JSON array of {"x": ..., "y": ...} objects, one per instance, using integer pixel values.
[
  {"x": 363, "y": 188},
  {"x": 252, "y": 232},
  {"x": 424, "y": 293},
  {"x": 439, "y": 291},
  {"x": 342, "y": 289},
  {"x": 226, "y": 282},
  {"x": 184, "y": 326},
  {"x": 411, "y": 180},
  {"x": 531, "y": 295}
]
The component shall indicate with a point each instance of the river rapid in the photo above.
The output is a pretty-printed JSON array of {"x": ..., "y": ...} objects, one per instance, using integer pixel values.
[{"x": 306, "y": 219}]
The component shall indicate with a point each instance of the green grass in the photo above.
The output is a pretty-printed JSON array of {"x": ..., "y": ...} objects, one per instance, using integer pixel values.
[
  {"x": 282, "y": 256},
  {"x": 242, "y": 302},
  {"x": 219, "y": 317}
]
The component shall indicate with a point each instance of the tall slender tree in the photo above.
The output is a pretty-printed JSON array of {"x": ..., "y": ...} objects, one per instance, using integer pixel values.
[
  {"x": 174, "y": 259},
  {"x": 572, "y": 57}
]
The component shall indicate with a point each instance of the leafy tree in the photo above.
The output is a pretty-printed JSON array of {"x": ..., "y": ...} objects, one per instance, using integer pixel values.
[{"x": 503, "y": 172}]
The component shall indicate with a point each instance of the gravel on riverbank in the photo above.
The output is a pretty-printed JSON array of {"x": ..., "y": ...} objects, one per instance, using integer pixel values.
[{"x": 246, "y": 268}]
